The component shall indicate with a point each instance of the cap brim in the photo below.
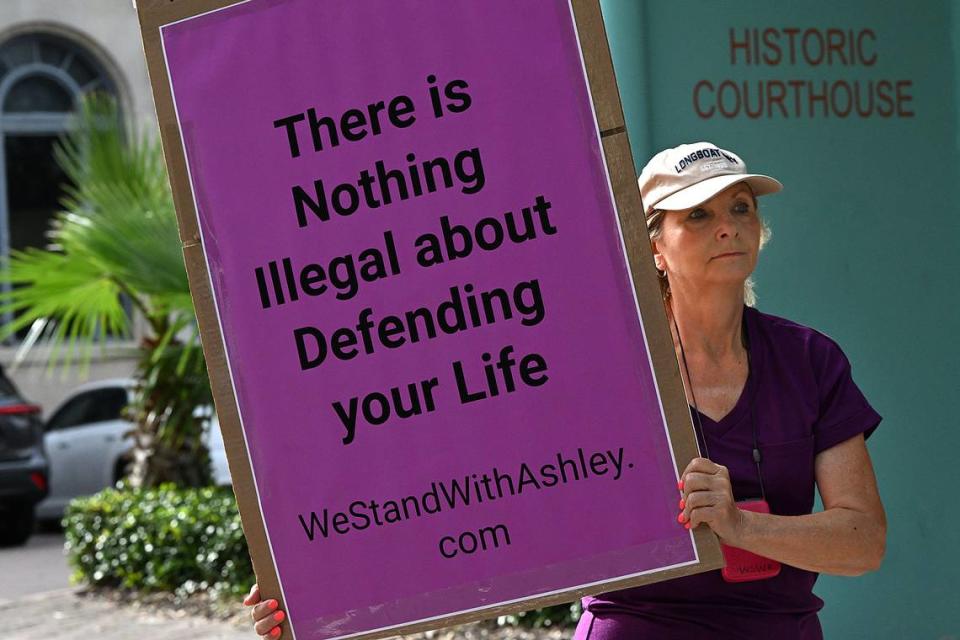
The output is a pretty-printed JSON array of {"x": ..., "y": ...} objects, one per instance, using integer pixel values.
[{"x": 705, "y": 189}]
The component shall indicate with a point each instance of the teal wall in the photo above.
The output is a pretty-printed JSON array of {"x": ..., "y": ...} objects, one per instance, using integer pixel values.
[{"x": 866, "y": 237}]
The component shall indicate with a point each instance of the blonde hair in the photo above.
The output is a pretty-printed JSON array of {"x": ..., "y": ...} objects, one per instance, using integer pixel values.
[{"x": 655, "y": 227}]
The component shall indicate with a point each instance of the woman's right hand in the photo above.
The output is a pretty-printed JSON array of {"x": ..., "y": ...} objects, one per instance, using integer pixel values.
[{"x": 266, "y": 615}]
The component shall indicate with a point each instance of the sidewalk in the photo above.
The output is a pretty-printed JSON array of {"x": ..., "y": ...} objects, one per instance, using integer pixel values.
[{"x": 63, "y": 615}]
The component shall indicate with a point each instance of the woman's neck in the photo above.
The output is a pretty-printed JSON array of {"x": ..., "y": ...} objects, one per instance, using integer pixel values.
[{"x": 710, "y": 323}]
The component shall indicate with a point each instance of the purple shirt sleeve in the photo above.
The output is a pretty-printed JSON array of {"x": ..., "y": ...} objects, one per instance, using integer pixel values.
[{"x": 844, "y": 411}]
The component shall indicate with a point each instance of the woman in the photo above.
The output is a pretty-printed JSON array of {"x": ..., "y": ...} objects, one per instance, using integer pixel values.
[{"x": 757, "y": 383}]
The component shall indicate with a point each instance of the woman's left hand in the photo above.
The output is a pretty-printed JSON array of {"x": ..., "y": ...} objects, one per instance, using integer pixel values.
[{"x": 708, "y": 499}]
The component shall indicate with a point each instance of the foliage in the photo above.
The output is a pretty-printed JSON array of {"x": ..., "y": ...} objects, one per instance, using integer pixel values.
[
  {"x": 172, "y": 385},
  {"x": 117, "y": 240},
  {"x": 117, "y": 234},
  {"x": 160, "y": 539},
  {"x": 561, "y": 615}
]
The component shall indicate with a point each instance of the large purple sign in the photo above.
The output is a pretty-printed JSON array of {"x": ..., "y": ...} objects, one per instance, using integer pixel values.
[{"x": 440, "y": 369}]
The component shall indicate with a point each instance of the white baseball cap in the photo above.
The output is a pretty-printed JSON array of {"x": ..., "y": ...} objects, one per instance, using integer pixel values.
[{"x": 688, "y": 175}]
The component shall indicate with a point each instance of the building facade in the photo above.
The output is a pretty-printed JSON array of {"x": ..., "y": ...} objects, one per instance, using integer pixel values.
[{"x": 51, "y": 53}]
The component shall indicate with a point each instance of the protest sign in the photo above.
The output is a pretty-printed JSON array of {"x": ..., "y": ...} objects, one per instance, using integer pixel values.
[{"x": 432, "y": 323}]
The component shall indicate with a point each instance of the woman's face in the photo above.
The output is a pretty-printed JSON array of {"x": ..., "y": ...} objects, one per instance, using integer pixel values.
[{"x": 714, "y": 243}]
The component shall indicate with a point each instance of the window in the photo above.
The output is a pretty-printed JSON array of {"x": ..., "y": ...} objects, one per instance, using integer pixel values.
[
  {"x": 42, "y": 78},
  {"x": 37, "y": 93},
  {"x": 99, "y": 405}
]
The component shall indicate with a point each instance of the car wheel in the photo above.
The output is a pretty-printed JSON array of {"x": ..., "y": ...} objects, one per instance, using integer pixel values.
[{"x": 16, "y": 525}]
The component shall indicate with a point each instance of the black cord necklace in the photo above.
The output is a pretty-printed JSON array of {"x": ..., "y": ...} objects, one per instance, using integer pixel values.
[{"x": 757, "y": 457}]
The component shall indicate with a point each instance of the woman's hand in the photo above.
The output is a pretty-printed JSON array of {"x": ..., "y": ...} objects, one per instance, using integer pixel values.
[
  {"x": 708, "y": 499},
  {"x": 266, "y": 616}
]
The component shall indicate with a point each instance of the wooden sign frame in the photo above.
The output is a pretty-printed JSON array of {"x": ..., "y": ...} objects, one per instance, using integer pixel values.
[{"x": 153, "y": 14}]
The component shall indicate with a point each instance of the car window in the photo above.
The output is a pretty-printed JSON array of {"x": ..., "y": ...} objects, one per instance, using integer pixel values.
[
  {"x": 108, "y": 404},
  {"x": 71, "y": 414},
  {"x": 92, "y": 406}
]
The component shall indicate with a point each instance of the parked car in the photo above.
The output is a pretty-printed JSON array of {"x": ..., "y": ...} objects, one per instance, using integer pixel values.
[
  {"x": 23, "y": 464},
  {"x": 88, "y": 442}
]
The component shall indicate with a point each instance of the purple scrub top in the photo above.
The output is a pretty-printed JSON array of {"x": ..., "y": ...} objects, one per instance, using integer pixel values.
[{"x": 805, "y": 401}]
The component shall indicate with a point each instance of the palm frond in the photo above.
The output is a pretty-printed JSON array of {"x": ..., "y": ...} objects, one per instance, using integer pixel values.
[
  {"x": 117, "y": 235},
  {"x": 84, "y": 302}
]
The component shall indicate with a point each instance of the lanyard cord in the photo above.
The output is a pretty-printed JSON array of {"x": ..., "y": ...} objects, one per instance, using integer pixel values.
[{"x": 699, "y": 424}]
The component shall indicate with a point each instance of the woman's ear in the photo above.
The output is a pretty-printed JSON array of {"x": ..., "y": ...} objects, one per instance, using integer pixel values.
[{"x": 657, "y": 256}]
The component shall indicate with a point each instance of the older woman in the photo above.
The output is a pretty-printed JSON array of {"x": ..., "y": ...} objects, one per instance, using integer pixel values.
[{"x": 776, "y": 412}]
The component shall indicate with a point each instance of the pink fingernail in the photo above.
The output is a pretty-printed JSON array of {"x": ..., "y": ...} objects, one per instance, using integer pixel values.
[
  {"x": 682, "y": 503},
  {"x": 279, "y": 616},
  {"x": 680, "y": 518},
  {"x": 687, "y": 525},
  {"x": 275, "y": 631},
  {"x": 680, "y": 485},
  {"x": 273, "y": 604}
]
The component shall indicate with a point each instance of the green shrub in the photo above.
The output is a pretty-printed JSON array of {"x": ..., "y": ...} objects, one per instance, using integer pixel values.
[{"x": 161, "y": 539}]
